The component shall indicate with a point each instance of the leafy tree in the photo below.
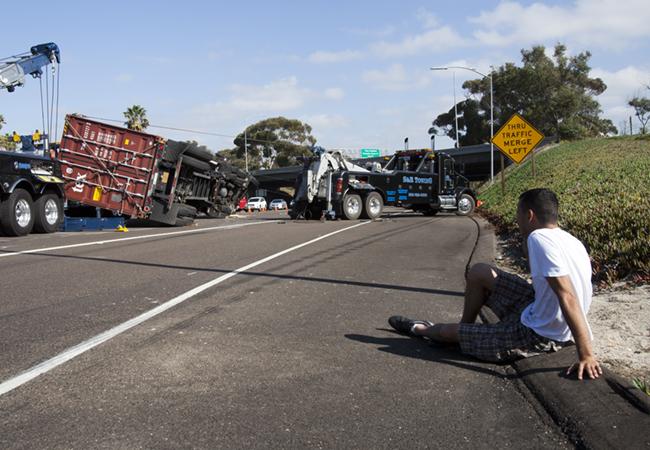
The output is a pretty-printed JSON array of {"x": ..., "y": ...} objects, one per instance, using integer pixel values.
[
  {"x": 231, "y": 156},
  {"x": 273, "y": 142},
  {"x": 136, "y": 118},
  {"x": 554, "y": 93},
  {"x": 472, "y": 127},
  {"x": 641, "y": 107},
  {"x": 6, "y": 143}
]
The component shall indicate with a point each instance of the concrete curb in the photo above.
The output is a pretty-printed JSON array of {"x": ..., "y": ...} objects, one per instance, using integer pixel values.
[{"x": 605, "y": 413}]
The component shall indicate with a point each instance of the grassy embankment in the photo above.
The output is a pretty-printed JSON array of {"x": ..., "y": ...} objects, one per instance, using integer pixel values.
[{"x": 604, "y": 191}]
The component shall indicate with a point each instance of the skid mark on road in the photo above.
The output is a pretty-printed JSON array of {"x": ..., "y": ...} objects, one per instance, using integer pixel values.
[
  {"x": 83, "y": 347},
  {"x": 133, "y": 238}
]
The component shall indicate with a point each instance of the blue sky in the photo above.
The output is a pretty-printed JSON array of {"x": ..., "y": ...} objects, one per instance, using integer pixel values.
[{"x": 358, "y": 72}]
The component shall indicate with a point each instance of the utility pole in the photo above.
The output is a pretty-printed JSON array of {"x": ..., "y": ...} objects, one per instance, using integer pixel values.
[
  {"x": 246, "y": 148},
  {"x": 455, "y": 110},
  {"x": 631, "y": 126}
]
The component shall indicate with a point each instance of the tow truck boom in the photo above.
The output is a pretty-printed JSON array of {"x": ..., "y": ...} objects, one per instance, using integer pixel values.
[{"x": 14, "y": 68}]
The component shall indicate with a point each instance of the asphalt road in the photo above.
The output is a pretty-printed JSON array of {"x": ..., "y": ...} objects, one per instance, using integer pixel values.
[{"x": 291, "y": 353}]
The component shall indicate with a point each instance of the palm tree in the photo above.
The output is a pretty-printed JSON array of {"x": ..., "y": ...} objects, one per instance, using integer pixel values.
[{"x": 136, "y": 118}]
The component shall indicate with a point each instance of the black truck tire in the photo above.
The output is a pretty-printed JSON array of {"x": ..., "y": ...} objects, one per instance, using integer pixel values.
[
  {"x": 48, "y": 210},
  {"x": 430, "y": 211},
  {"x": 185, "y": 215},
  {"x": 373, "y": 206},
  {"x": 352, "y": 206},
  {"x": 466, "y": 205},
  {"x": 17, "y": 213}
]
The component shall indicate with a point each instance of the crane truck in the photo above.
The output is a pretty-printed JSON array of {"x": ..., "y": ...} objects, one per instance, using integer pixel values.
[
  {"x": 31, "y": 187},
  {"x": 422, "y": 180},
  {"x": 110, "y": 170}
]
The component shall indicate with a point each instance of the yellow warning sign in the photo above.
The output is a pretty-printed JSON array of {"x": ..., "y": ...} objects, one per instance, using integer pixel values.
[{"x": 517, "y": 138}]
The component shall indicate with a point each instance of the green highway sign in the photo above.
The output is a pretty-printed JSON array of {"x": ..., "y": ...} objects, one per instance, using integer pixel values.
[{"x": 370, "y": 153}]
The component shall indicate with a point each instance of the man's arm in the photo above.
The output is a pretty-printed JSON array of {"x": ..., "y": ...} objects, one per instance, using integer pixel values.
[{"x": 572, "y": 312}]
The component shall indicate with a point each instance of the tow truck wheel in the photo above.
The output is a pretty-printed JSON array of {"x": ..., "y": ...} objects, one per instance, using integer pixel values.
[
  {"x": 373, "y": 205},
  {"x": 17, "y": 213},
  {"x": 466, "y": 205},
  {"x": 352, "y": 206},
  {"x": 49, "y": 213}
]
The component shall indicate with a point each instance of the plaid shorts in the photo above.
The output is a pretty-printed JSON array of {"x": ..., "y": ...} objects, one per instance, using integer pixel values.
[{"x": 507, "y": 339}]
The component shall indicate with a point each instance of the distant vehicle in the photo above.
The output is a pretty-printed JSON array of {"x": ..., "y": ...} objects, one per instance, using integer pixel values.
[
  {"x": 420, "y": 180},
  {"x": 242, "y": 204},
  {"x": 278, "y": 203},
  {"x": 256, "y": 204}
]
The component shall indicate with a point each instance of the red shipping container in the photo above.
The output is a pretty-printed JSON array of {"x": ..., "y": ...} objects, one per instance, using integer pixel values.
[{"x": 109, "y": 167}]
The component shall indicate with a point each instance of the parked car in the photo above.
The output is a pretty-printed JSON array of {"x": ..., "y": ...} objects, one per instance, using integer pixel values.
[
  {"x": 256, "y": 204},
  {"x": 278, "y": 203}
]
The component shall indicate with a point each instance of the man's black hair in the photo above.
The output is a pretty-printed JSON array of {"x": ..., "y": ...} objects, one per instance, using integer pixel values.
[{"x": 543, "y": 202}]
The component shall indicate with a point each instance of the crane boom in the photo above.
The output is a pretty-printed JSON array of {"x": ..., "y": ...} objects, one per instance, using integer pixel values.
[{"x": 13, "y": 70}]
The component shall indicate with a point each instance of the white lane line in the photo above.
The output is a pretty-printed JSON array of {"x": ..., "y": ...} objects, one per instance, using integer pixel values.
[
  {"x": 133, "y": 238},
  {"x": 83, "y": 347}
]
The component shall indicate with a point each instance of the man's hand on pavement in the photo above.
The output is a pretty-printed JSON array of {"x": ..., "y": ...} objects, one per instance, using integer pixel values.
[{"x": 588, "y": 365}]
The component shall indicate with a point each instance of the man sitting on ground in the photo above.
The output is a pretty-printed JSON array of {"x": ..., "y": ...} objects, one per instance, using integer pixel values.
[{"x": 534, "y": 319}]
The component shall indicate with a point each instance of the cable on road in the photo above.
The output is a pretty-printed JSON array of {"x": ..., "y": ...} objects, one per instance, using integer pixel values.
[{"x": 471, "y": 255}]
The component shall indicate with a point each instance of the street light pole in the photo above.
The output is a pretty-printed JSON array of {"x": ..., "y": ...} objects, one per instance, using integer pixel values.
[
  {"x": 246, "y": 148},
  {"x": 491, "y": 109},
  {"x": 456, "y": 111}
]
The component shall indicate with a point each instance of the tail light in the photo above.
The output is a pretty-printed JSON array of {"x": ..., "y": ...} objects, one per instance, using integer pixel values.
[{"x": 339, "y": 185}]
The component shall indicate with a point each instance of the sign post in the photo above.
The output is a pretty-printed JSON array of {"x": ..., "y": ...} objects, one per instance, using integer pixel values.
[
  {"x": 370, "y": 153},
  {"x": 516, "y": 139}
]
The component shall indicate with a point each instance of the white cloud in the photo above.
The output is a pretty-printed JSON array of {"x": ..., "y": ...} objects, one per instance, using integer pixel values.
[
  {"x": 277, "y": 96},
  {"x": 606, "y": 23},
  {"x": 396, "y": 78},
  {"x": 622, "y": 85},
  {"x": 428, "y": 19},
  {"x": 432, "y": 41},
  {"x": 250, "y": 102},
  {"x": 324, "y": 57},
  {"x": 323, "y": 121},
  {"x": 334, "y": 94}
]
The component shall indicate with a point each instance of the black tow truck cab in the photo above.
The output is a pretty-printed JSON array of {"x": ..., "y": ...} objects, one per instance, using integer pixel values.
[
  {"x": 31, "y": 194},
  {"x": 421, "y": 180}
]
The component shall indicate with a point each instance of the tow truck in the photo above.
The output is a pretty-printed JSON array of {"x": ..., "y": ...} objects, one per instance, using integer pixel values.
[
  {"x": 425, "y": 181},
  {"x": 31, "y": 193}
]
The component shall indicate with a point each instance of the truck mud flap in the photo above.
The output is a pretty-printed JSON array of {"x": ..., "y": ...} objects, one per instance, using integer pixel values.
[{"x": 177, "y": 215}]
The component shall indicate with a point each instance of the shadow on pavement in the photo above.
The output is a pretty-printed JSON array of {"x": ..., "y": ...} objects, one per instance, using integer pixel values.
[
  {"x": 306, "y": 262},
  {"x": 439, "y": 353}
]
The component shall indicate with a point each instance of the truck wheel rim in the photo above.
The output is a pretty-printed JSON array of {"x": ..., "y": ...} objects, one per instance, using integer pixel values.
[
  {"x": 23, "y": 213},
  {"x": 51, "y": 212},
  {"x": 374, "y": 206},
  {"x": 464, "y": 205},
  {"x": 353, "y": 206}
]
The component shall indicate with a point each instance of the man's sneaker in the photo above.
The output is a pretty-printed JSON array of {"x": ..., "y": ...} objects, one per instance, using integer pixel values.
[{"x": 404, "y": 325}]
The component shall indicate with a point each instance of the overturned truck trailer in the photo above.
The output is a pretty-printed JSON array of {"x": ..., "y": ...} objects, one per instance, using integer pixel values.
[{"x": 143, "y": 176}]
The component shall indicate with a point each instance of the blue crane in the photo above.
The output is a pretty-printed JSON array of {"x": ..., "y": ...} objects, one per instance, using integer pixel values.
[
  {"x": 13, "y": 71},
  {"x": 14, "y": 68}
]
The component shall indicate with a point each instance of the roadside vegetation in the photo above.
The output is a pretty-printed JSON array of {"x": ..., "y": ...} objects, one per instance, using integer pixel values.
[
  {"x": 641, "y": 385},
  {"x": 604, "y": 189}
]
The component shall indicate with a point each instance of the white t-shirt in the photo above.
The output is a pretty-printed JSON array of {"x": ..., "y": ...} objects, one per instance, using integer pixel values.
[{"x": 552, "y": 252}]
